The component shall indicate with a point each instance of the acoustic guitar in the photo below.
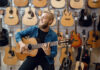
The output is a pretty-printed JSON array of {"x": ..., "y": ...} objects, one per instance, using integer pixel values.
[
  {"x": 67, "y": 18},
  {"x": 39, "y": 3},
  {"x": 3, "y": 32},
  {"x": 33, "y": 48},
  {"x": 10, "y": 56},
  {"x": 11, "y": 17},
  {"x": 79, "y": 64},
  {"x": 3, "y": 3},
  {"x": 94, "y": 3},
  {"x": 85, "y": 19},
  {"x": 29, "y": 17},
  {"x": 75, "y": 35},
  {"x": 58, "y": 3},
  {"x": 77, "y": 4},
  {"x": 21, "y": 3},
  {"x": 94, "y": 35}
]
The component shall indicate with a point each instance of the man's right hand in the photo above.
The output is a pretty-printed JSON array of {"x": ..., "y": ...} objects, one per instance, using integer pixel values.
[{"x": 23, "y": 47}]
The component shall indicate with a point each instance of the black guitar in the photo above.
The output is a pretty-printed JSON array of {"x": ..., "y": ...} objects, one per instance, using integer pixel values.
[
  {"x": 3, "y": 34},
  {"x": 3, "y": 3},
  {"x": 85, "y": 19},
  {"x": 98, "y": 27}
]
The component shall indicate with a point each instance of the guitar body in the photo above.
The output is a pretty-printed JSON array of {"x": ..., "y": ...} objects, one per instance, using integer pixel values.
[
  {"x": 28, "y": 18},
  {"x": 22, "y": 56},
  {"x": 58, "y": 3},
  {"x": 79, "y": 64},
  {"x": 8, "y": 59},
  {"x": 77, "y": 4},
  {"x": 64, "y": 55},
  {"x": 3, "y": 3},
  {"x": 93, "y": 4},
  {"x": 94, "y": 42},
  {"x": 67, "y": 19},
  {"x": 11, "y": 19},
  {"x": 77, "y": 40},
  {"x": 39, "y": 3},
  {"x": 21, "y": 3},
  {"x": 4, "y": 37}
]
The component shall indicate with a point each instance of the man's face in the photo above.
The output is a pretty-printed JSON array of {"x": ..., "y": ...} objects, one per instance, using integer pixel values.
[{"x": 44, "y": 20}]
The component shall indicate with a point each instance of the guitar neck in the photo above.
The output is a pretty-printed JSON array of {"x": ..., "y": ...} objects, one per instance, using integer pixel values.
[
  {"x": 0, "y": 24},
  {"x": 40, "y": 45}
]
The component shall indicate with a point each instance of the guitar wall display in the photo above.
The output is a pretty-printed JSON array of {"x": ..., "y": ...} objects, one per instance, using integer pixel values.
[
  {"x": 94, "y": 35},
  {"x": 58, "y": 3},
  {"x": 3, "y": 3},
  {"x": 67, "y": 18},
  {"x": 75, "y": 35},
  {"x": 77, "y": 4},
  {"x": 21, "y": 3},
  {"x": 94, "y": 3},
  {"x": 39, "y": 3},
  {"x": 11, "y": 16},
  {"x": 3, "y": 32},
  {"x": 29, "y": 17},
  {"x": 85, "y": 19}
]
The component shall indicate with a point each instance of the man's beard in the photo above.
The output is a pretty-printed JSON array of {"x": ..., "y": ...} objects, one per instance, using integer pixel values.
[{"x": 44, "y": 26}]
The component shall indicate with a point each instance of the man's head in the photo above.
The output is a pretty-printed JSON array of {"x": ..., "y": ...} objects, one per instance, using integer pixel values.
[{"x": 46, "y": 19}]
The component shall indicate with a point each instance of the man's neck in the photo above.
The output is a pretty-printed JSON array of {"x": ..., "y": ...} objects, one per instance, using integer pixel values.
[{"x": 44, "y": 30}]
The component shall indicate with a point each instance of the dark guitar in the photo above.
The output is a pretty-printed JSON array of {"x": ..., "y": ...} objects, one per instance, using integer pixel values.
[
  {"x": 3, "y": 32},
  {"x": 98, "y": 27},
  {"x": 85, "y": 19},
  {"x": 3, "y": 3}
]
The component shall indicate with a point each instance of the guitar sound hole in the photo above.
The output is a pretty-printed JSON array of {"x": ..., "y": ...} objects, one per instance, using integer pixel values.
[
  {"x": 11, "y": 11},
  {"x": 12, "y": 53},
  {"x": 79, "y": 68},
  {"x": 76, "y": 0},
  {"x": 31, "y": 13},
  {"x": 58, "y": 0}
]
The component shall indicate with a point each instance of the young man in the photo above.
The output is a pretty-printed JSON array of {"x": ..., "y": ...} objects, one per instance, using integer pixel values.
[{"x": 42, "y": 33}]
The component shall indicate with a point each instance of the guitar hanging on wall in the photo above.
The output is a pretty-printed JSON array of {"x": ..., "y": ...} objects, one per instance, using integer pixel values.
[
  {"x": 94, "y": 3},
  {"x": 77, "y": 4},
  {"x": 85, "y": 19},
  {"x": 21, "y": 3},
  {"x": 29, "y": 17},
  {"x": 11, "y": 17},
  {"x": 3, "y": 3},
  {"x": 3, "y": 32},
  {"x": 39, "y": 3},
  {"x": 67, "y": 18},
  {"x": 58, "y": 3},
  {"x": 75, "y": 35}
]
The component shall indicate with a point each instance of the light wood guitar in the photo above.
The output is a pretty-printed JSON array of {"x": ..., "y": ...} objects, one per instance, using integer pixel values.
[
  {"x": 94, "y": 3},
  {"x": 58, "y": 3},
  {"x": 29, "y": 17},
  {"x": 10, "y": 56},
  {"x": 94, "y": 35},
  {"x": 75, "y": 35},
  {"x": 77, "y": 4},
  {"x": 39, "y": 3},
  {"x": 11, "y": 16},
  {"x": 33, "y": 48},
  {"x": 67, "y": 18},
  {"x": 21, "y": 3}
]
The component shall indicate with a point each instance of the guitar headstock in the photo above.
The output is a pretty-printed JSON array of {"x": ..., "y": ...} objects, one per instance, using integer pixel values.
[
  {"x": 76, "y": 15},
  {"x": 58, "y": 15},
  {"x": 66, "y": 34},
  {"x": 94, "y": 16}
]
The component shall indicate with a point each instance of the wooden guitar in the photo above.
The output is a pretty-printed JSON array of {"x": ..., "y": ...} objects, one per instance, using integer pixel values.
[
  {"x": 79, "y": 64},
  {"x": 58, "y": 3},
  {"x": 77, "y": 4},
  {"x": 3, "y": 32},
  {"x": 30, "y": 17},
  {"x": 94, "y": 35},
  {"x": 11, "y": 17},
  {"x": 21, "y": 3},
  {"x": 94, "y": 3},
  {"x": 76, "y": 36},
  {"x": 10, "y": 56},
  {"x": 33, "y": 48},
  {"x": 67, "y": 18},
  {"x": 39, "y": 3}
]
